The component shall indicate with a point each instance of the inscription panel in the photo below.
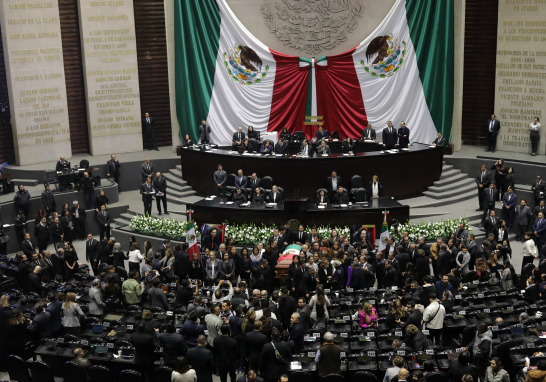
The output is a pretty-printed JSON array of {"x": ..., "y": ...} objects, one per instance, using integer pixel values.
[
  {"x": 520, "y": 73},
  {"x": 35, "y": 72},
  {"x": 111, "y": 76}
]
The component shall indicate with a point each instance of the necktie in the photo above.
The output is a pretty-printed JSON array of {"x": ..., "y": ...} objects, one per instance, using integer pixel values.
[
  {"x": 491, "y": 192},
  {"x": 300, "y": 235},
  {"x": 49, "y": 262},
  {"x": 509, "y": 197},
  {"x": 148, "y": 120},
  {"x": 493, "y": 221},
  {"x": 114, "y": 164},
  {"x": 30, "y": 243},
  {"x": 89, "y": 243},
  {"x": 104, "y": 213},
  {"x": 37, "y": 262},
  {"x": 491, "y": 126}
]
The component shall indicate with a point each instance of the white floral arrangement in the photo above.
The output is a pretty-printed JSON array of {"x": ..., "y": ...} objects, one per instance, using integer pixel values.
[
  {"x": 433, "y": 230},
  {"x": 253, "y": 234},
  {"x": 171, "y": 228}
]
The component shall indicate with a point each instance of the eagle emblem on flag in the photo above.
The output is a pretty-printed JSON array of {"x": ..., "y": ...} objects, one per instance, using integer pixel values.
[
  {"x": 244, "y": 66},
  {"x": 385, "y": 56}
]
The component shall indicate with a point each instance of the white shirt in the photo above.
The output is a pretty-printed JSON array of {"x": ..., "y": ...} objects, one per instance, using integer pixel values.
[
  {"x": 529, "y": 248},
  {"x": 334, "y": 183},
  {"x": 135, "y": 256},
  {"x": 501, "y": 235},
  {"x": 375, "y": 189},
  {"x": 491, "y": 125},
  {"x": 438, "y": 320}
]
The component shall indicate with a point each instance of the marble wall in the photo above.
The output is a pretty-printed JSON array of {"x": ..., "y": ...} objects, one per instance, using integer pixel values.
[
  {"x": 520, "y": 73},
  {"x": 111, "y": 76},
  {"x": 35, "y": 73}
]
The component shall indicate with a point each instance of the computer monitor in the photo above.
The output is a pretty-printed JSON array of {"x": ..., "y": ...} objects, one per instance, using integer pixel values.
[
  {"x": 100, "y": 349},
  {"x": 516, "y": 330},
  {"x": 50, "y": 344},
  {"x": 128, "y": 352}
]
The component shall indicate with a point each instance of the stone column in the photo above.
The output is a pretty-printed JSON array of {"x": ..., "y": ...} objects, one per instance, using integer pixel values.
[
  {"x": 456, "y": 126},
  {"x": 520, "y": 94},
  {"x": 169, "y": 31},
  {"x": 33, "y": 54},
  {"x": 111, "y": 76}
]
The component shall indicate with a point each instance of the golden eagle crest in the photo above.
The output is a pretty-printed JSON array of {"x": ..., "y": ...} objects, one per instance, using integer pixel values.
[
  {"x": 384, "y": 56},
  {"x": 244, "y": 66}
]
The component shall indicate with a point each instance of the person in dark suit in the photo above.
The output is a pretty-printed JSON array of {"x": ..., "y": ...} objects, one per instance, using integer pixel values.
[
  {"x": 160, "y": 187},
  {"x": 341, "y": 197},
  {"x": 146, "y": 190},
  {"x": 301, "y": 236},
  {"x": 368, "y": 133},
  {"x": 531, "y": 293},
  {"x": 493, "y": 127},
  {"x": 287, "y": 306},
  {"x": 275, "y": 196},
  {"x": 54, "y": 308},
  {"x": 333, "y": 182},
  {"x": 391, "y": 275},
  {"x": 483, "y": 180},
  {"x": 540, "y": 208},
  {"x": 403, "y": 136},
  {"x": 79, "y": 216},
  {"x": 21, "y": 199},
  {"x": 323, "y": 149},
  {"x": 238, "y": 138},
  {"x": 113, "y": 167},
  {"x": 258, "y": 196},
  {"x": 239, "y": 197},
  {"x": 41, "y": 232},
  {"x": 48, "y": 264},
  {"x": 204, "y": 132},
  {"x": 305, "y": 148},
  {"x": 146, "y": 169},
  {"x": 375, "y": 189},
  {"x": 538, "y": 188},
  {"x": 348, "y": 146},
  {"x": 92, "y": 248},
  {"x": 415, "y": 316},
  {"x": 439, "y": 142},
  {"x": 35, "y": 281},
  {"x": 241, "y": 180},
  {"x": 271, "y": 367},
  {"x": 62, "y": 164},
  {"x": 358, "y": 278},
  {"x": 539, "y": 229},
  {"x": 253, "y": 182},
  {"x": 144, "y": 350},
  {"x": 296, "y": 333},
  {"x": 250, "y": 376},
  {"x": 509, "y": 201},
  {"x": 281, "y": 147},
  {"x": 148, "y": 125},
  {"x": 489, "y": 197},
  {"x": 321, "y": 133},
  {"x": 253, "y": 343},
  {"x": 266, "y": 148},
  {"x": 40, "y": 326},
  {"x": 390, "y": 137},
  {"x": 443, "y": 262},
  {"x": 220, "y": 177},
  {"x": 103, "y": 219},
  {"x": 227, "y": 351},
  {"x": 48, "y": 200},
  {"x": 202, "y": 360}
]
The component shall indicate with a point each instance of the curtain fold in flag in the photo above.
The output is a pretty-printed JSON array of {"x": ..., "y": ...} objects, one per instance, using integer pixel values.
[{"x": 403, "y": 71}]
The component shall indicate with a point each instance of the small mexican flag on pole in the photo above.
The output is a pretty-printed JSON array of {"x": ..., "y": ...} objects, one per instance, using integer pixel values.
[
  {"x": 384, "y": 232},
  {"x": 191, "y": 239}
]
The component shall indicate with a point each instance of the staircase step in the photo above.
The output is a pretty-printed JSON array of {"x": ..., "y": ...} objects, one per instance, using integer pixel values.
[
  {"x": 446, "y": 201},
  {"x": 133, "y": 212},
  {"x": 175, "y": 188},
  {"x": 457, "y": 186},
  {"x": 179, "y": 167},
  {"x": 174, "y": 179},
  {"x": 127, "y": 216},
  {"x": 185, "y": 199},
  {"x": 447, "y": 167},
  {"x": 452, "y": 179},
  {"x": 447, "y": 194},
  {"x": 449, "y": 173},
  {"x": 121, "y": 222},
  {"x": 176, "y": 172}
]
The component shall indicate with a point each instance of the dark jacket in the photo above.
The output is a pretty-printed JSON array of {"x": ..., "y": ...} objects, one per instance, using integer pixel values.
[
  {"x": 144, "y": 348},
  {"x": 173, "y": 345},
  {"x": 296, "y": 335},
  {"x": 160, "y": 185},
  {"x": 22, "y": 199},
  {"x": 54, "y": 310},
  {"x": 270, "y": 367},
  {"x": 253, "y": 343},
  {"x": 457, "y": 371},
  {"x": 287, "y": 306},
  {"x": 41, "y": 325},
  {"x": 414, "y": 318},
  {"x": 418, "y": 342},
  {"x": 226, "y": 350},
  {"x": 146, "y": 191},
  {"x": 48, "y": 200},
  {"x": 157, "y": 298},
  {"x": 191, "y": 331},
  {"x": 202, "y": 361},
  {"x": 111, "y": 170}
]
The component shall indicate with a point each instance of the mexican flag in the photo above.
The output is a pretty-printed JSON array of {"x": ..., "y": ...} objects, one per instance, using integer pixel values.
[
  {"x": 191, "y": 239},
  {"x": 384, "y": 233},
  {"x": 289, "y": 252},
  {"x": 403, "y": 71}
]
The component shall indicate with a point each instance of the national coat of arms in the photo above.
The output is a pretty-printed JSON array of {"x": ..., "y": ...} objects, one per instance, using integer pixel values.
[
  {"x": 244, "y": 66},
  {"x": 384, "y": 56}
]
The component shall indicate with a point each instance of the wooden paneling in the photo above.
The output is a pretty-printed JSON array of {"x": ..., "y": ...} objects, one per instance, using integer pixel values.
[
  {"x": 153, "y": 66},
  {"x": 7, "y": 150},
  {"x": 481, "y": 18},
  {"x": 73, "y": 71}
]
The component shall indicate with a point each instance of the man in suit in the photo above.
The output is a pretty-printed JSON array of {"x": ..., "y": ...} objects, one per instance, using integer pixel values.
[
  {"x": 538, "y": 188},
  {"x": 483, "y": 180},
  {"x": 28, "y": 247},
  {"x": 204, "y": 132},
  {"x": 253, "y": 344},
  {"x": 88, "y": 185},
  {"x": 412, "y": 252},
  {"x": 182, "y": 262},
  {"x": 390, "y": 137},
  {"x": 490, "y": 223},
  {"x": 341, "y": 197},
  {"x": 35, "y": 281},
  {"x": 461, "y": 233},
  {"x": 253, "y": 182},
  {"x": 48, "y": 200},
  {"x": 40, "y": 326},
  {"x": 333, "y": 182},
  {"x": 21, "y": 199},
  {"x": 144, "y": 350},
  {"x": 522, "y": 219},
  {"x": 296, "y": 333},
  {"x": 148, "y": 130},
  {"x": 241, "y": 180},
  {"x": 250, "y": 376},
  {"x": 509, "y": 201},
  {"x": 490, "y": 195},
  {"x": 20, "y": 226},
  {"x": 160, "y": 187},
  {"x": 146, "y": 190},
  {"x": 227, "y": 352},
  {"x": 113, "y": 166},
  {"x": 358, "y": 278},
  {"x": 403, "y": 136},
  {"x": 41, "y": 232},
  {"x": 220, "y": 177},
  {"x": 54, "y": 309},
  {"x": 271, "y": 367},
  {"x": 237, "y": 139},
  {"x": 301, "y": 236},
  {"x": 368, "y": 133},
  {"x": 201, "y": 359},
  {"x": 103, "y": 219},
  {"x": 281, "y": 147},
  {"x": 493, "y": 127},
  {"x": 146, "y": 169},
  {"x": 443, "y": 263},
  {"x": 539, "y": 229},
  {"x": 78, "y": 215},
  {"x": 305, "y": 149},
  {"x": 540, "y": 208},
  {"x": 48, "y": 266},
  {"x": 439, "y": 142},
  {"x": 92, "y": 248},
  {"x": 63, "y": 165},
  {"x": 323, "y": 149},
  {"x": 305, "y": 313},
  {"x": 391, "y": 275},
  {"x": 424, "y": 246},
  {"x": 287, "y": 306},
  {"x": 415, "y": 316}
]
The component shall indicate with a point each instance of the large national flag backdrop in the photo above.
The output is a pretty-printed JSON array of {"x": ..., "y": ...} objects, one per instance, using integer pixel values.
[{"x": 403, "y": 71}]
